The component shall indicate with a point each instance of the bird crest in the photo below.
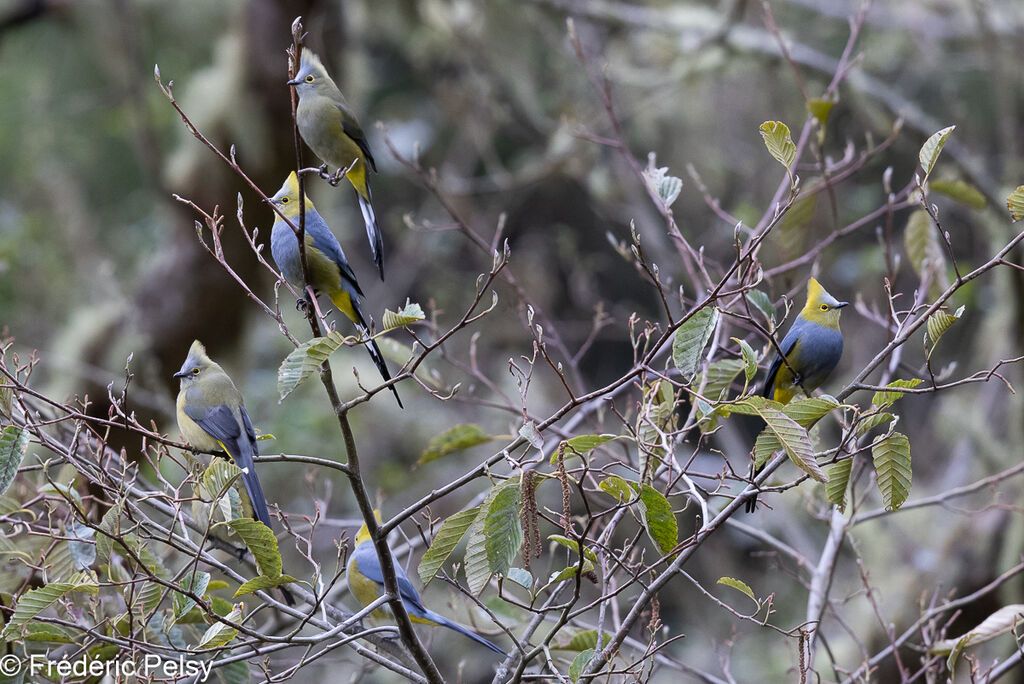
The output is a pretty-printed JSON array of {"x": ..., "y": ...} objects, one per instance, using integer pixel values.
[{"x": 310, "y": 60}]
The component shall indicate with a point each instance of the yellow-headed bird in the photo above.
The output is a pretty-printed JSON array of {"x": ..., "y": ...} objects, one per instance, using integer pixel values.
[
  {"x": 331, "y": 275},
  {"x": 211, "y": 417},
  {"x": 331, "y": 130},
  {"x": 812, "y": 347},
  {"x": 366, "y": 582}
]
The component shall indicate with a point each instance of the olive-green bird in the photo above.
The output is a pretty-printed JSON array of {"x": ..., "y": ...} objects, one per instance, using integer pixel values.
[
  {"x": 211, "y": 417},
  {"x": 366, "y": 582},
  {"x": 331, "y": 130},
  {"x": 812, "y": 347},
  {"x": 331, "y": 275}
]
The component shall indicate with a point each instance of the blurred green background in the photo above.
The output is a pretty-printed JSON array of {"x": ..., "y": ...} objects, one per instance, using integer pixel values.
[{"x": 98, "y": 261}]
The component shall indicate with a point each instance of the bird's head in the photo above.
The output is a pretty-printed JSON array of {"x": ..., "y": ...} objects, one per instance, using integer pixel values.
[
  {"x": 312, "y": 76},
  {"x": 197, "y": 363},
  {"x": 821, "y": 307},
  {"x": 287, "y": 198},
  {"x": 364, "y": 532}
]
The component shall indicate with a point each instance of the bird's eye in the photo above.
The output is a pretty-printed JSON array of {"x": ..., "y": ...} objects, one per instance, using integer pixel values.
[
  {"x": 195, "y": 371},
  {"x": 284, "y": 200},
  {"x": 824, "y": 307},
  {"x": 309, "y": 78}
]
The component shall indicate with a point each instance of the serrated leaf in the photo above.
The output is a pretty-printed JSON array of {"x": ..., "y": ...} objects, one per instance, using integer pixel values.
[
  {"x": 779, "y": 143},
  {"x": 820, "y": 108},
  {"x": 885, "y": 399},
  {"x": 262, "y": 544},
  {"x": 34, "y": 602},
  {"x": 477, "y": 568},
  {"x": 1015, "y": 203},
  {"x": 932, "y": 148},
  {"x": 793, "y": 439},
  {"x": 938, "y": 323},
  {"x": 569, "y": 572},
  {"x": 720, "y": 376},
  {"x": 220, "y": 634},
  {"x": 572, "y": 545},
  {"x": 738, "y": 585},
  {"x": 873, "y": 420},
  {"x": 749, "y": 359},
  {"x": 13, "y": 445},
  {"x": 581, "y": 445},
  {"x": 458, "y": 438},
  {"x": 305, "y": 360},
  {"x": 196, "y": 582},
  {"x": 690, "y": 339},
  {"x": 520, "y": 576},
  {"x": 448, "y": 536},
  {"x": 410, "y": 313},
  {"x": 808, "y": 411},
  {"x": 503, "y": 527},
  {"x": 658, "y": 518},
  {"x": 580, "y": 662},
  {"x": 892, "y": 465},
  {"x": 262, "y": 583},
  {"x": 110, "y": 523},
  {"x": 45, "y": 632},
  {"x": 1000, "y": 622},
  {"x": 666, "y": 187},
  {"x": 763, "y": 303},
  {"x": 838, "y": 477},
  {"x": 218, "y": 478},
  {"x": 583, "y": 640},
  {"x": 961, "y": 191},
  {"x": 921, "y": 240},
  {"x": 617, "y": 488}
]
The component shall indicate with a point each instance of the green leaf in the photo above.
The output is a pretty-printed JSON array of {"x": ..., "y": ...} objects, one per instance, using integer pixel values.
[
  {"x": 658, "y": 518},
  {"x": 220, "y": 634},
  {"x": 196, "y": 582},
  {"x": 749, "y": 358},
  {"x": 720, "y": 376},
  {"x": 820, "y": 108},
  {"x": 892, "y": 464},
  {"x": 691, "y": 338},
  {"x": 262, "y": 583},
  {"x": 571, "y": 544},
  {"x": 763, "y": 303},
  {"x": 738, "y": 585},
  {"x": 13, "y": 444},
  {"x": 932, "y": 148},
  {"x": 305, "y": 360},
  {"x": 445, "y": 540},
  {"x": 503, "y": 527},
  {"x": 938, "y": 323},
  {"x": 45, "y": 632},
  {"x": 924, "y": 249},
  {"x": 886, "y": 399},
  {"x": 1015, "y": 203},
  {"x": 872, "y": 420},
  {"x": 262, "y": 544},
  {"x": 1002, "y": 621},
  {"x": 478, "y": 569},
  {"x": 83, "y": 553},
  {"x": 529, "y": 432},
  {"x": 579, "y": 663},
  {"x": 520, "y": 576},
  {"x": 838, "y": 477},
  {"x": 110, "y": 523},
  {"x": 779, "y": 143},
  {"x": 569, "y": 572},
  {"x": 666, "y": 187},
  {"x": 34, "y": 602},
  {"x": 581, "y": 445},
  {"x": 961, "y": 191},
  {"x": 793, "y": 438},
  {"x": 410, "y": 313},
  {"x": 617, "y": 488},
  {"x": 218, "y": 478},
  {"x": 583, "y": 640},
  {"x": 808, "y": 411},
  {"x": 458, "y": 438}
]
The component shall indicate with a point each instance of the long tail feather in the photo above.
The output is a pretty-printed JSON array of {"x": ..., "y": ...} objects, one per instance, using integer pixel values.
[
  {"x": 372, "y": 231},
  {"x": 445, "y": 622}
]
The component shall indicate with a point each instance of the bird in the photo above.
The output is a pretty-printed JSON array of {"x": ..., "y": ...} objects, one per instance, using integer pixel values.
[
  {"x": 366, "y": 582},
  {"x": 329, "y": 269},
  {"x": 212, "y": 417},
  {"x": 812, "y": 347},
  {"x": 328, "y": 125}
]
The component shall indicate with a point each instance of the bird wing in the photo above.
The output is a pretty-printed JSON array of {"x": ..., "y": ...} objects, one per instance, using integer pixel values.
[
  {"x": 352, "y": 129},
  {"x": 788, "y": 343},
  {"x": 323, "y": 239},
  {"x": 369, "y": 565}
]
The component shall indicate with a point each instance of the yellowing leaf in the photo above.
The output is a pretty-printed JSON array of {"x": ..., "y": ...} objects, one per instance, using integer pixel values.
[
  {"x": 410, "y": 313},
  {"x": 779, "y": 143},
  {"x": 932, "y": 148},
  {"x": 961, "y": 191},
  {"x": 938, "y": 323},
  {"x": 738, "y": 585},
  {"x": 1015, "y": 203}
]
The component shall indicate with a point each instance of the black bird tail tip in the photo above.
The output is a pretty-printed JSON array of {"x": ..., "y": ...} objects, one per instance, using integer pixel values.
[
  {"x": 751, "y": 504},
  {"x": 397, "y": 398},
  {"x": 287, "y": 596}
]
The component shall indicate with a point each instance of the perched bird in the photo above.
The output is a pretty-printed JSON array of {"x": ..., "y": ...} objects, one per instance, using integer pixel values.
[
  {"x": 812, "y": 348},
  {"x": 331, "y": 130},
  {"x": 211, "y": 417},
  {"x": 366, "y": 582},
  {"x": 331, "y": 275}
]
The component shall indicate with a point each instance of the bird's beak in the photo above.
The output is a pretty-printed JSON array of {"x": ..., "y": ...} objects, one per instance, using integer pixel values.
[
  {"x": 180, "y": 374},
  {"x": 840, "y": 305},
  {"x": 294, "y": 82}
]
